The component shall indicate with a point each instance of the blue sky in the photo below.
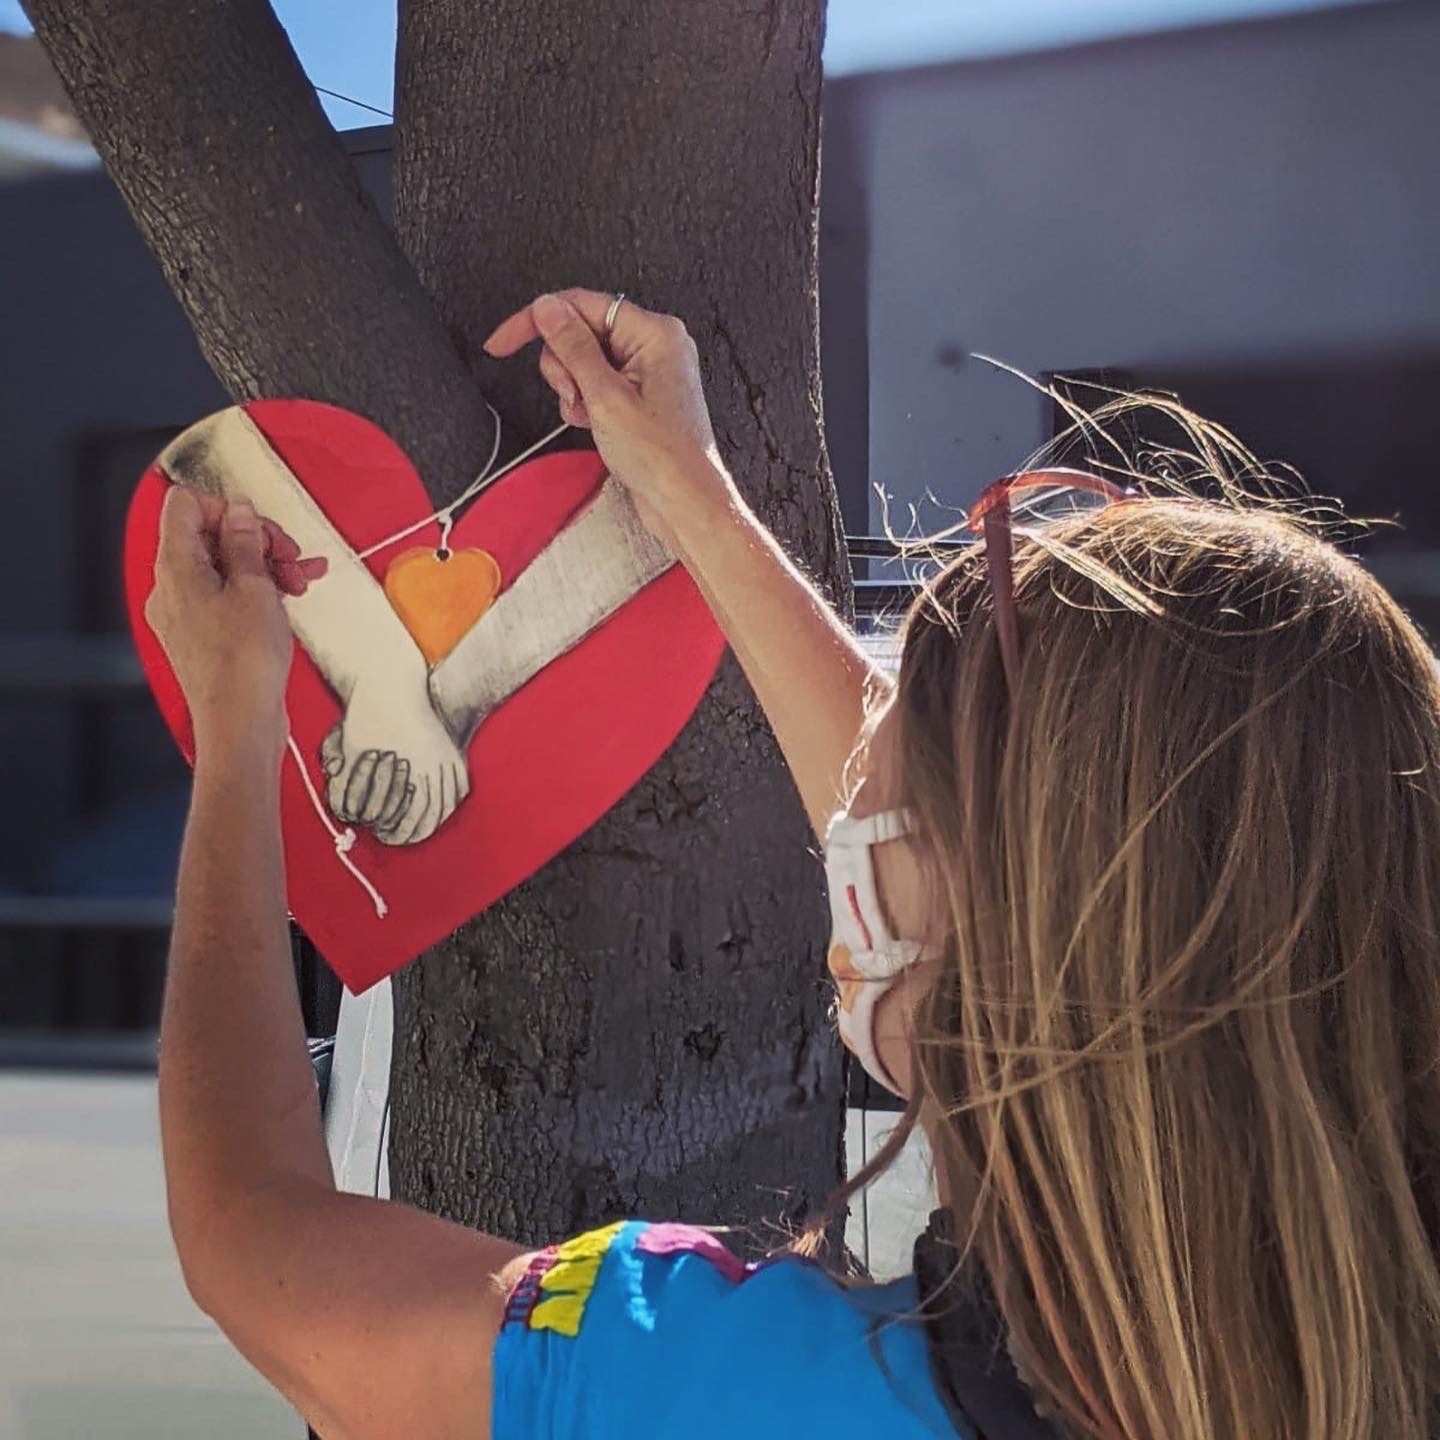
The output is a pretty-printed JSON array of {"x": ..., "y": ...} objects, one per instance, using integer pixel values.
[{"x": 347, "y": 45}]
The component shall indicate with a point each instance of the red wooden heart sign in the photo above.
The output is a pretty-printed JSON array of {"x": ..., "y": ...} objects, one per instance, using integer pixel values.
[{"x": 544, "y": 766}]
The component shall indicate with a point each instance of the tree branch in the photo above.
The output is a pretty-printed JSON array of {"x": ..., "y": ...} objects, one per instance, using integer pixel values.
[{"x": 288, "y": 274}]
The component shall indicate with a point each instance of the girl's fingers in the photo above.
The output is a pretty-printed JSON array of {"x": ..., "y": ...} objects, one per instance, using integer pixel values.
[
  {"x": 212, "y": 508},
  {"x": 517, "y": 331},
  {"x": 557, "y": 377},
  {"x": 287, "y": 581},
  {"x": 512, "y": 334},
  {"x": 562, "y": 382},
  {"x": 294, "y": 577},
  {"x": 279, "y": 546}
]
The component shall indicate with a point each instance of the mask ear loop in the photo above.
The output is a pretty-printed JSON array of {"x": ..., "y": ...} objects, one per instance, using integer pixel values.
[{"x": 852, "y": 883}]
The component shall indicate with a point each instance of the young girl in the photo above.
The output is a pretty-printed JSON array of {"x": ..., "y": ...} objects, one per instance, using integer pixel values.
[{"x": 1136, "y": 898}]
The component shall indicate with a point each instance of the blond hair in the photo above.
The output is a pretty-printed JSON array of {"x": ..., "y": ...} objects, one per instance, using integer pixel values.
[{"x": 1181, "y": 1058}]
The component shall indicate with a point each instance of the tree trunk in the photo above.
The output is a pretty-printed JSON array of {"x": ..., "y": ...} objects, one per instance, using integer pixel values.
[{"x": 642, "y": 1028}]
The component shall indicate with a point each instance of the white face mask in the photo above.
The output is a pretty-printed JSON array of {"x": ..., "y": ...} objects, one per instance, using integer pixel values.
[{"x": 865, "y": 959}]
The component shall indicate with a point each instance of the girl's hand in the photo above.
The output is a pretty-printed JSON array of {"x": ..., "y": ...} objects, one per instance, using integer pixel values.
[
  {"x": 215, "y": 608},
  {"x": 643, "y": 401}
]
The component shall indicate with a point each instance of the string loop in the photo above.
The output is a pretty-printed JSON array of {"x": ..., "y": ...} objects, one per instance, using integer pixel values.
[
  {"x": 486, "y": 478},
  {"x": 344, "y": 840}
]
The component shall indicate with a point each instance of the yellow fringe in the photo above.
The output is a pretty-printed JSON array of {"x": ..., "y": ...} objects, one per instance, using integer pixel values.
[{"x": 569, "y": 1281}]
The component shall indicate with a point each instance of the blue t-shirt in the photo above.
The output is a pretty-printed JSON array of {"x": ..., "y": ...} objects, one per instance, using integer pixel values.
[{"x": 654, "y": 1331}]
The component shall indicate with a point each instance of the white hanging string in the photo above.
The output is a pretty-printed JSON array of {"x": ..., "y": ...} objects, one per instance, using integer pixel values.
[
  {"x": 344, "y": 839},
  {"x": 486, "y": 478}
]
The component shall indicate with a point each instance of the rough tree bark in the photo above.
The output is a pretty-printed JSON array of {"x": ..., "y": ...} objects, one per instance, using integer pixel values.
[{"x": 642, "y": 1028}]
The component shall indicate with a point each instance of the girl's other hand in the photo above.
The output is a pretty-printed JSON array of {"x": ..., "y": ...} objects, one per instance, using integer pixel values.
[{"x": 643, "y": 400}]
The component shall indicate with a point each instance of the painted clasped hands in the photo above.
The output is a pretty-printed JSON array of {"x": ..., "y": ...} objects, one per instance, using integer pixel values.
[
  {"x": 396, "y": 762},
  {"x": 391, "y": 764},
  {"x": 220, "y": 574}
]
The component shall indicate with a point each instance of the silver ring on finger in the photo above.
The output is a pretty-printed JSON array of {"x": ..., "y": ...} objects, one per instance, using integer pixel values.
[{"x": 612, "y": 312}]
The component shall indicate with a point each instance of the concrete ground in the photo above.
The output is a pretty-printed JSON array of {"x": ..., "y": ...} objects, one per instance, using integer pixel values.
[{"x": 97, "y": 1335}]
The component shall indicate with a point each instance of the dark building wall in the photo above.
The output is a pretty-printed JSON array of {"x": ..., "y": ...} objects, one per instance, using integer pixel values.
[
  {"x": 1259, "y": 200},
  {"x": 95, "y": 351},
  {"x": 97, "y": 368}
]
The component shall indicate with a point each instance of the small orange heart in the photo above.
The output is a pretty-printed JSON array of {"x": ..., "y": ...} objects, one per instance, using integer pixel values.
[{"x": 437, "y": 599}]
